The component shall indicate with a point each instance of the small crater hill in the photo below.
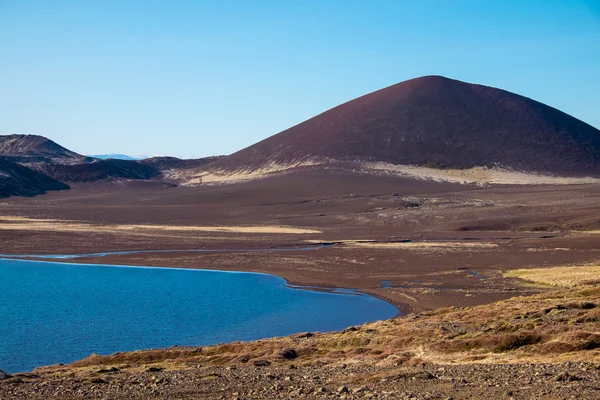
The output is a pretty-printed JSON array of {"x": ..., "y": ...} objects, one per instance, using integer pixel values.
[
  {"x": 440, "y": 122},
  {"x": 31, "y": 149},
  {"x": 18, "y": 180}
]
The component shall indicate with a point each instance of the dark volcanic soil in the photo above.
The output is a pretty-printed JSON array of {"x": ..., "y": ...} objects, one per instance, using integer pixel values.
[{"x": 18, "y": 180}]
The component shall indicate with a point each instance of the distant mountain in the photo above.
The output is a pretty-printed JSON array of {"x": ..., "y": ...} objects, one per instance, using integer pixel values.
[
  {"x": 168, "y": 163},
  {"x": 18, "y": 180},
  {"x": 439, "y": 122},
  {"x": 31, "y": 149},
  {"x": 118, "y": 156}
]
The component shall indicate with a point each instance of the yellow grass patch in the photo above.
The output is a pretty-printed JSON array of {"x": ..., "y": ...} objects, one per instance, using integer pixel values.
[
  {"x": 422, "y": 245},
  {"x": 565, "y": 276},
  {"x": 352, "y": 243},
  {"x": 542, "y": 249},
  {"x": 220, "y": 176},
  {"x": 32, "y": 224},
  {"x": 476, "y": 175},
  {"x": 12, "y": 218}
]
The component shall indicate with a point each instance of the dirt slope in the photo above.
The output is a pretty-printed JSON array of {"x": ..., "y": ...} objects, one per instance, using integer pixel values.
[{"x": 18, "y": 180}]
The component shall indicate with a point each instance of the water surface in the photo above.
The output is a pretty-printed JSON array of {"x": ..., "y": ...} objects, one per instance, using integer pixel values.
[{"x": 53, "y": 312}]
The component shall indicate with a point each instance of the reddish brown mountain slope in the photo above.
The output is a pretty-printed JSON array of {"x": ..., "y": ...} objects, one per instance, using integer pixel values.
[{"x": 435, "y": 120}]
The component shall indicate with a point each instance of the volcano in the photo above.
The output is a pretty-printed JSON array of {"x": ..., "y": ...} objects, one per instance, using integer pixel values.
[{"x": 438, "y": 122}]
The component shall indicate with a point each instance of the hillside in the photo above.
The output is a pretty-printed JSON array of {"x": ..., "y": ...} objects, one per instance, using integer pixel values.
[
  {"x": 436, "y": 122},
  {"x": 18, "y": 180},
  {"x": 34, "y": 149},
  {"x": 99, "y": 170}
]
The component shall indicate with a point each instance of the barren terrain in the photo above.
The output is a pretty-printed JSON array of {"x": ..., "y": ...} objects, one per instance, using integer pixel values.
[
  {"x": 419, "y": 244},
  {"x": 434, "y": 249}
]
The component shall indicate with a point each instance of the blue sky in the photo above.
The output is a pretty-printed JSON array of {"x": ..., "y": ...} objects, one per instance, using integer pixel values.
[{"x": 199, "y": 78}]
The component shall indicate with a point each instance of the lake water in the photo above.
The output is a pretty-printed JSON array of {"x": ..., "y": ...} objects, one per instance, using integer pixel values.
[{"x": 58, "y": 313}]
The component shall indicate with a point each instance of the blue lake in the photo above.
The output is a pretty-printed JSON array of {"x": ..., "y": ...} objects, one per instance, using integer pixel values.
[{"x": 54, "y": 312}]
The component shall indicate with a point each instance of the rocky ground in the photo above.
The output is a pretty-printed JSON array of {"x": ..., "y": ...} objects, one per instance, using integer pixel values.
[{"x": 568, "y": 380}]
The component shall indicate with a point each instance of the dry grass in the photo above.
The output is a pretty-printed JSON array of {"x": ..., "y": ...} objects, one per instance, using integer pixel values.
[
  {"x": 353, "y": 243},
  {"x": 557, "y": 326},
  {"x": 33, "y": 224},
  {"x": 551, "y": 327},
  {"x": 476, "y": 175},
  {"x": 565, "y": 276},
  {"x": 422, "y": 245},
  {"x": 219, "y": 176}
]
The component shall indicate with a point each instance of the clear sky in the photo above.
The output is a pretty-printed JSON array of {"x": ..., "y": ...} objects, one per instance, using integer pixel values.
[{"x": 199, "y": 78}]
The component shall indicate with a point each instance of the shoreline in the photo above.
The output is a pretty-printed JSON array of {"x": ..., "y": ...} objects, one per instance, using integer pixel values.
[
  {"x": 403, "y": 309},
  {"x": 286, "y": 282},
  {"x": 283, "y": 282}
]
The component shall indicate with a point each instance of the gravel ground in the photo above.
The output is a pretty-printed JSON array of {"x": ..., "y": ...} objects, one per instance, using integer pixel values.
[{"x": 427, "y": 381}]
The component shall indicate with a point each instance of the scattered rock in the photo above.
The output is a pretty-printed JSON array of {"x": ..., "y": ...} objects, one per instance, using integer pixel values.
[
  {"x": 342, "y": 390},
  {"x": 415, "y": 375},
  {"x": 350, "y": 329},
  {"x": 362, "y": 389},
  {"x": 105, "y": 371},
  {"x": 245, "y": 358},
  {"x": 3, "y": 375},
  {"x": 288, "y": 354},
  {"x": 566, "y": 377},
  {"x": 261, "y": 363},
  {"x": 305, "y": 335}
]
